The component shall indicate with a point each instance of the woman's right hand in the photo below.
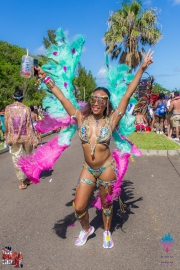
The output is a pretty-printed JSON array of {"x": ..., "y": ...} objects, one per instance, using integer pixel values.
[{"x": 40, "y": 71}]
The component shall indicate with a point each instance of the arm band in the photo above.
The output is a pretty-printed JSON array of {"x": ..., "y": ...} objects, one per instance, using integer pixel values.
[
  {"x": 49, "y": 82},
  {"x": 74, "y": 116},
  {"x": 119, "y": 113}
]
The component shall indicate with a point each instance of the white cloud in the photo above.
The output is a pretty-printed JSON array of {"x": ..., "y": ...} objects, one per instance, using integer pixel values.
[
  {"x": 101, "y": 77},
  {"x": 101, "y": 73},
  {"x": 176, "y": 2},
  {"x": 84, "y": 49},
  {"x": 102, "y": 82},
  {"x": 66, "y": 32},
  {"x": 40, "y": 50}
]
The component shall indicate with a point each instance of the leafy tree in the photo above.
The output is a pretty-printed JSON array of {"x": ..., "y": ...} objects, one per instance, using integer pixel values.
[
  {"x": 84, "y": 82},
  {"x": 51, "y": 38},
  {"x": 131, "y": 28},
  {"x": 176, "y": 90},
  {"x": 157, "y": 88}
]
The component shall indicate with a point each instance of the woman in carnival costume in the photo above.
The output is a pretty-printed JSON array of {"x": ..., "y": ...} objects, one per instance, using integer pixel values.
[{"x": 97, "y": 122}]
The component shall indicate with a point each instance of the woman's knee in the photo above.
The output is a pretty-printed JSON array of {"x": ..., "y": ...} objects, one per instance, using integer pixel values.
[{"x": 80, "y": 208}]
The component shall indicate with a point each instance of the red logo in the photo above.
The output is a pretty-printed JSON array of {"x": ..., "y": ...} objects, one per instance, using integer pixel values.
[{"x": 10, "y": 257}]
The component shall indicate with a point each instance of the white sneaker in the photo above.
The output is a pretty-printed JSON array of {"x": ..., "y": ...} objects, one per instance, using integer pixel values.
[
  {"x": 107, "y": 240},
  {"x": 158, "y": 132},
  {"x": 176, "y": 139},
  {"x": 83, "y": 236}
]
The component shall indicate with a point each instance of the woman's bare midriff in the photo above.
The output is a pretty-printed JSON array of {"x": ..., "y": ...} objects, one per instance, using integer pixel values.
[{"x": 101, "y": 157}]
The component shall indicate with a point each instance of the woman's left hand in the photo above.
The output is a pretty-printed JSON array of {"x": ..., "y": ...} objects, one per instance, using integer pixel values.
[{"x": 148, "y": 60}]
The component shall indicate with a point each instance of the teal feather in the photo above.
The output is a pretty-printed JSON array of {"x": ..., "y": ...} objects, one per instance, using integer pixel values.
[
  {"x": 63, "y": 59},
  {"x": 61, "y": 38},
  {"x": 67, "y": 134},
  {"x": 118, "y": 80},
  {"x": 123, "y": 145}
]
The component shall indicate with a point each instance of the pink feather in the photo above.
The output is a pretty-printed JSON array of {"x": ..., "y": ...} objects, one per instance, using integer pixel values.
[
  {"x": 134, "y": 150},
  {"x": 121, "y": 168},
  {"x": 49, "y": 123},
  {"x": 108, "y": 199},
  {"x": 42, "y": 159},
  {"x": 97, "y": 202}
]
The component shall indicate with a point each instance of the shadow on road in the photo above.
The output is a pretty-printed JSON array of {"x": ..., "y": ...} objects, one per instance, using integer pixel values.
[
  {"x": 45, "y": 174},
  {"x": 122, "y": 209}
]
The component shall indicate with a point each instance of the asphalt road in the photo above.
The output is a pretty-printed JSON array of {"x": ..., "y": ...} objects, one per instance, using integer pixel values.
[{"x": 38, "y": 221}]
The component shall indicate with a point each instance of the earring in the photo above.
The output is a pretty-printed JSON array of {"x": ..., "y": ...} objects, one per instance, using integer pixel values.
[{"x": 107, "y": 109}]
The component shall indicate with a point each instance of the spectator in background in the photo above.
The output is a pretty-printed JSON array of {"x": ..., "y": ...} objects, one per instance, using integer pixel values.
[
  {"x": 140, "y": 121},
  {"x": 40, "y": 113},
  {"x": 34, "y": 117},
  {"x": 152, "y": 115},
  {"x": 19, "y": 133},
  {"x": 2, "y": 126},
  {"x": 175, "y": 108},
  {"x": 1, "y": 133},
  {"x": 168, "y": 117},
  {"x": 160, "y": 113}
]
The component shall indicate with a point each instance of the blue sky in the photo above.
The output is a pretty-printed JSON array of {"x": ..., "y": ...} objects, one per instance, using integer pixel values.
[{"x": 24, "y": 23}]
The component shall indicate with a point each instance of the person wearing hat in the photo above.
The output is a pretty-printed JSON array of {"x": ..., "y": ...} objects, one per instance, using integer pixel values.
[{"x": 19, "y": 133}]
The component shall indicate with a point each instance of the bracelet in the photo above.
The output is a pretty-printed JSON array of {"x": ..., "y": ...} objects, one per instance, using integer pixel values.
[
  {"x": 119, "y": 113},
  {"x": 74, "y": 116},
  {"x": 43, "y": 75},
  {"x": 49, "y": 82}
]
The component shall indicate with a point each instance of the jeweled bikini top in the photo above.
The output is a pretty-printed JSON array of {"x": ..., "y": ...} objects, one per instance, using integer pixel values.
[{"x": 104, "y": 136}]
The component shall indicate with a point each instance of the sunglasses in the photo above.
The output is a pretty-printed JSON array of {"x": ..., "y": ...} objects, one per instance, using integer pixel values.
[{"x": 101, "y": 100}]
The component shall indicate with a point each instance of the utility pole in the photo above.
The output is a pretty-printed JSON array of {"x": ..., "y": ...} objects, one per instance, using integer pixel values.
[{"x": 84, "y": 93}]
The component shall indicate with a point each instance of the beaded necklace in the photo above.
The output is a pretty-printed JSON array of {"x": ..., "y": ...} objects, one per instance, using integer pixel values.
[{"x": 97, "y": 120}]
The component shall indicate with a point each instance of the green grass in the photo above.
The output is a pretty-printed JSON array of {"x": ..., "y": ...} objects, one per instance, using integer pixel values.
[
  {"x": 1, "y": 146},
  {"x": 152, "y": 141}
]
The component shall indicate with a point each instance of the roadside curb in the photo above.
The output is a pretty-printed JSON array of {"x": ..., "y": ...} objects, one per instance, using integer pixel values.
[
  {"x": 148, "y": 153},
  {"x": 2, "y": 151},
  {"x": 160, "y": 153}
]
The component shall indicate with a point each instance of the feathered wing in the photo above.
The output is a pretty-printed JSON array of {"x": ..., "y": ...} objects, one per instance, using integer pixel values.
[
  {"x": 63, "y": 59},
  {"x": 118, "y": 80}
]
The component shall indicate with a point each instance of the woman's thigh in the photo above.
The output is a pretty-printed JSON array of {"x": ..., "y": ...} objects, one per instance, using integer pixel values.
[
  {"x": 109, "y": 174},
  {"x": 84, "y": 190}
]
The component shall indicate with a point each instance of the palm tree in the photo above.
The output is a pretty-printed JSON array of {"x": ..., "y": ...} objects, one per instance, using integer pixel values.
[{"x": 131, "y": 28}]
